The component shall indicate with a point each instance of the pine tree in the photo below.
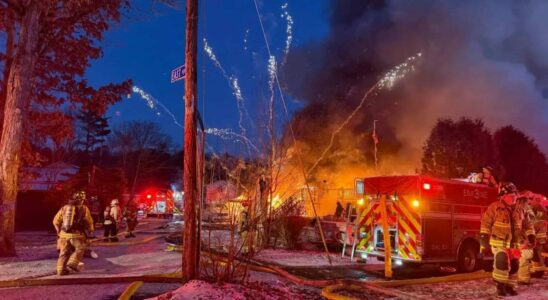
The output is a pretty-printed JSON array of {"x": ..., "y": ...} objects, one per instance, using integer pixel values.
[
  {"x": 522, "y": 161},
  {"x": 94, "y": 130},
  {"x": 455, "y": 149}
]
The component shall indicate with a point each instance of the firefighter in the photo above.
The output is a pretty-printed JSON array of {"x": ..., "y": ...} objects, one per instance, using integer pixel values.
[
  {"x": 112, "y": 216},
  {"x": 526, "y": 254},
  {"x": 486, "y": 177},
  {"x": 538, "y": 216},
  {"x": 339, "y": 210},
  {"x": 131, "y": 219},
  {"x": 71, "y": 223},
  {"x": 503, "y": 227}
]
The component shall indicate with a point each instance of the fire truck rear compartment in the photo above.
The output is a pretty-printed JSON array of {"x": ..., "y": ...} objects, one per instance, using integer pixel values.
[{"x": 379, "y": 239}]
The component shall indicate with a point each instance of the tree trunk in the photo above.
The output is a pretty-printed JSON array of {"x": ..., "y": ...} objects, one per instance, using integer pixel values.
[
  {"x": 135, "y": 177},
  {"x": 10, "y": 49},
  {"x": 17, "y": 99}
]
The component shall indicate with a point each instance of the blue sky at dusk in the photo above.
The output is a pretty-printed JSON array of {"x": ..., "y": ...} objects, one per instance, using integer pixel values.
[{"x": 149, "y": 43}]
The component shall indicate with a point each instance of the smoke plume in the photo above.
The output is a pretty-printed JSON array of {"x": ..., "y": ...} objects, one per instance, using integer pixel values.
[{"x": 480, "y": 59}]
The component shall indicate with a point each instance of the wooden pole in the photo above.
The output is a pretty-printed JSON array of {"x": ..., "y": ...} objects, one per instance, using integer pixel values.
[{"x": 190, "y": 267}]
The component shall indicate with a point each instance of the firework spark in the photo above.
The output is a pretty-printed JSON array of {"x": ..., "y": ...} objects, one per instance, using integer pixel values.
[
  {"x": 213, "y": 57},
  {"x": 272, "y": 69},
  {"x": 234, "y": 85},
  {"x": 229, "y": 135},
  {"x": 288, "y": 30},
  {"x": 154, "y": 104},
  {"x": 246, "y": 37},
  {"x": 387, "y": 81},
  {"x": 398, "y": 72}
]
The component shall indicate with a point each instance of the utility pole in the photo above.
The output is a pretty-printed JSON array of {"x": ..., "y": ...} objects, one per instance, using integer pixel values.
[{"x": 190, "y": 265}]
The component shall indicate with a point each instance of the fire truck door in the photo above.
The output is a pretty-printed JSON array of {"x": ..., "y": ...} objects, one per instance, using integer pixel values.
[{"x": 437, "y": 237}]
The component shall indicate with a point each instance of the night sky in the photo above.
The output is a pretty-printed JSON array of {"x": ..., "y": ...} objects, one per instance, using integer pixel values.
[{"x": 149, "y": 43}]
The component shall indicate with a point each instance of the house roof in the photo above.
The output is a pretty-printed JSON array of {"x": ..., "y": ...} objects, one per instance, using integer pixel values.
[{"x": 47, "y": 177}]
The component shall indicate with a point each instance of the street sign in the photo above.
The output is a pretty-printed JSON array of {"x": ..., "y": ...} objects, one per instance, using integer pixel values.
[{"x": 178, "y": 74}]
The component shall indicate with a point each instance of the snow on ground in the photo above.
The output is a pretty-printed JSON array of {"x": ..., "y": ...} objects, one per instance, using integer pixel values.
[
  {"x": 274, "y": 288},
  {"x": 64, "y": 292},
  {"x": 478, "y": 289},
  {"x": 37, "y": 256},
  {"x": 296, "y": 258}
]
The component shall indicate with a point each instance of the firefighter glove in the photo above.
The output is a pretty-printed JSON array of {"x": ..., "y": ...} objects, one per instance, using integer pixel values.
[{"x": 484, "y": 241}]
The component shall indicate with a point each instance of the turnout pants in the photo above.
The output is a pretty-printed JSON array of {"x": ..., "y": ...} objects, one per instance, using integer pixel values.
[
  {"x": 524, "y": 274},
  {"x": 71, "y": 253},
  {"x": 131, "y": 224},
  {"x": 505, "y": 266},
  {"x": 110, "y": 230},
  {"x": 531, "y": 262},
  {"x": 538, "y": 260}
]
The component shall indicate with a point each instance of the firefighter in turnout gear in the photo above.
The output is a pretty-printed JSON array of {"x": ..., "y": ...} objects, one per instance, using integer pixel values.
[
  {"x": 504, "y": 228},
  {"x": 71, "y": 224},
  {"x": 538, "y": 217},
  {"x": 486, "y": 177}
]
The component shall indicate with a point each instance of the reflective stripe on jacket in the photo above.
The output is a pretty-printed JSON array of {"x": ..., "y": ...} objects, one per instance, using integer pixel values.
[
  {"x": 539, "y": 217},
  {"x": 507, "y": 226}
]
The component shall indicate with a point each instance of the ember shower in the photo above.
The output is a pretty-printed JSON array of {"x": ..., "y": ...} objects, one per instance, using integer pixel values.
[{"x": 481, "y": 59}]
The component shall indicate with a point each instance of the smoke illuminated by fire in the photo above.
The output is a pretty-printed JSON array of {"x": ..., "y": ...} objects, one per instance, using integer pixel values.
[{"x": 474, "y": 62}]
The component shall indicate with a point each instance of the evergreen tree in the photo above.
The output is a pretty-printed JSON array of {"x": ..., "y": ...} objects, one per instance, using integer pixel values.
[
  {"x": 455, "y": 149},
  {"x": 94, "y": 130},
  {"x": 522, "y": 161}
]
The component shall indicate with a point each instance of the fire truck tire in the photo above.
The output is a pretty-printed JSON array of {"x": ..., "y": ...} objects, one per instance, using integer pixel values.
[{"x": 468, "y": 257}]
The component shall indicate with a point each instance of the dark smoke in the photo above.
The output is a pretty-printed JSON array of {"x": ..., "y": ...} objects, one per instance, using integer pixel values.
[{"x": 480, "y": 59}]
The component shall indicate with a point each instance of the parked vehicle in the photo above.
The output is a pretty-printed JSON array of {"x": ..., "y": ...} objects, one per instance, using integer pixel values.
[{"x": 430, "y": 220}]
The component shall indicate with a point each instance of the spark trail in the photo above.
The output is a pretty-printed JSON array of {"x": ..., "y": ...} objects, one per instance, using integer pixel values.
[
  {"x": 388, "y": 81},
  {"x": 223, "y": 133},
  {"x": 154, "y": 104},
  {"x": 234, "y": 85},
  {"x": 288, "y": 30},
  {"x": 229, "y": 135}
]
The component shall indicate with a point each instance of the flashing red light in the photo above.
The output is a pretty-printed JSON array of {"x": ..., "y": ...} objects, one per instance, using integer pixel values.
[
  {"x": 149, "y": 196},
  {"x": 426, "y": 186}
]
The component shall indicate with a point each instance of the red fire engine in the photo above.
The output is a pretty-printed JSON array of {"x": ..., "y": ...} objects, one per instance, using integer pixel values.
[
  {"x": 158, "y": 203},
  {"x": 430, "y": 220}
]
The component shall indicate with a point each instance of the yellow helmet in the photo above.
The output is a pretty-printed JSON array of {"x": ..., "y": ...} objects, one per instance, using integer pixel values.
[{"x": 79, "y": 196}]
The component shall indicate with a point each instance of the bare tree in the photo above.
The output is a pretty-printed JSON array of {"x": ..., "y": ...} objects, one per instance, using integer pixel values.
[{"x": 142, "y": 149}]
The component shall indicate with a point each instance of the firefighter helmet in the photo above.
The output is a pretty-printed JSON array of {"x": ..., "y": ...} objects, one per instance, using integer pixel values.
[
  {"x": 80, "y": 195},
  {"x": 488, "y": 168},
  {"x": 507, "y": 188}
]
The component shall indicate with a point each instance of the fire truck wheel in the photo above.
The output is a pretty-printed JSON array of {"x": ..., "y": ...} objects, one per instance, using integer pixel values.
[{"x": 468, "y": 258}]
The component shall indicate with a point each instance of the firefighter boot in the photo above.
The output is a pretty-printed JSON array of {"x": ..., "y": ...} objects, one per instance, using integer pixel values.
[
  {"x": 501, "y": 289},
  {"x": 510, "y": 290},
  {"x": 76, "y": 268}
]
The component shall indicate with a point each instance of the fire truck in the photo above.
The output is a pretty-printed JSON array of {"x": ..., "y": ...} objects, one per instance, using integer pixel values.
[
  {"x": 430, "y": 220},
  {"x": 158, "y": 203}
]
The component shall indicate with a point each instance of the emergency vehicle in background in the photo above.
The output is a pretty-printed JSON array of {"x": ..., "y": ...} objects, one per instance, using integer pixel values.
[
  {"x": 157, "y": 203},
  {"x": 430, "y": 220}
]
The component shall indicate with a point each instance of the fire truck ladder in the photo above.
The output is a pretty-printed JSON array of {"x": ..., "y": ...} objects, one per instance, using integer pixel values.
[
  {"x": 355, "y": 229},
  {"x": 354, "y": 223}
]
